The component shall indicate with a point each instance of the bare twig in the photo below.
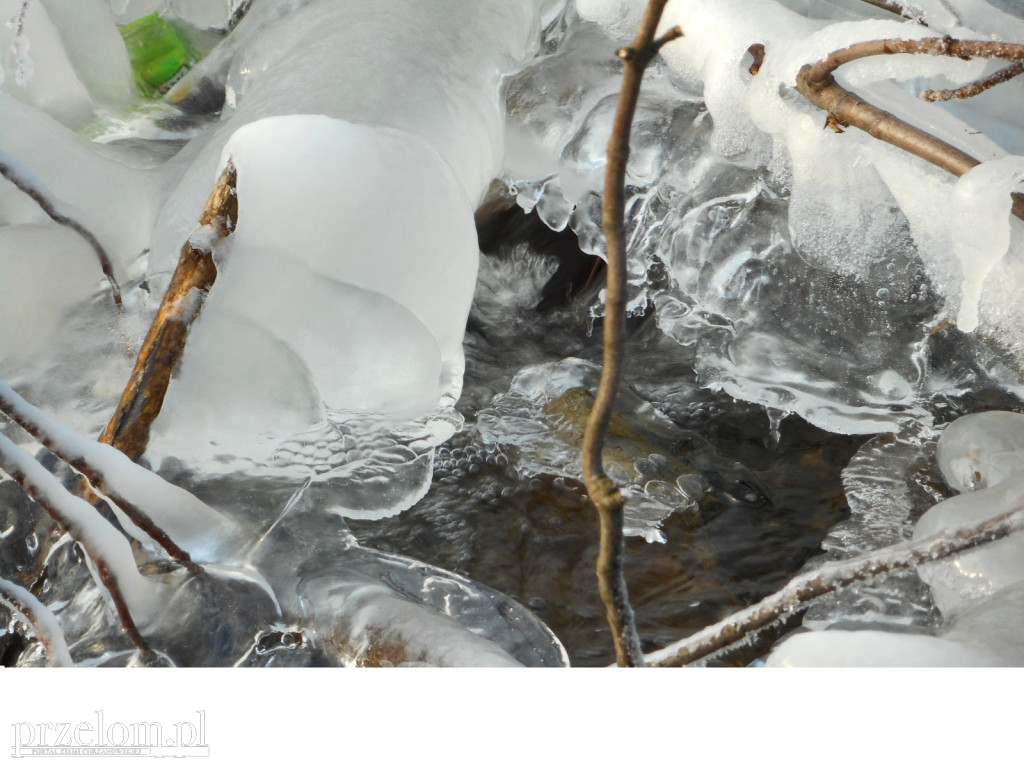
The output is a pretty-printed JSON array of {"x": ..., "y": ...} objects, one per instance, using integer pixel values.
[
  {"x": 817, "y": 83},
  {"x": 143, "y": 397},
  {"x": 8, "y": 171},
  {"x": 978, "y": 86},
  {"x": 44, "y": 623},
  {"x": 830, "y": 578},
  {"x": 606, "y": 496}
]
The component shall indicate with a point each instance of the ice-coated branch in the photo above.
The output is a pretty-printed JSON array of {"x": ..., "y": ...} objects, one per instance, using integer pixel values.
[
  {"x": 129, "y": 428},
  {"x": 817, "y": 83},
  {"x": 102, "y": 465},
  {"x": 44, "y": 623},
  {"x": 10, "y": 170},
  {"x": 111, "y": 556},
  {"x": 830, "y": 578},
  {"x": 900, "y": 9},
  {"x": 978, "y": 86},
  {"x": 606, "y": 496}
]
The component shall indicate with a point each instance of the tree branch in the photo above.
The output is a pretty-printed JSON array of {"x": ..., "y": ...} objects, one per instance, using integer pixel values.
[
  {"x": 129, "y": 428},
  {"x": 817, "y": 83},
  {"x": 978, "y": 86},
  {"x": 19, "y": 180},
  {"x": 606, "y": 496},
  {"x": 900, "y": 9},
  {"x": 829, "y": 578}
]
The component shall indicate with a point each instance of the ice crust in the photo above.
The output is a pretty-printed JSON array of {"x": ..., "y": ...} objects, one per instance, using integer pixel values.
[
  {"x": 978, "y": 592},
  {"x": 337, "y": 320},
  {"x": 872, "y": 232}
]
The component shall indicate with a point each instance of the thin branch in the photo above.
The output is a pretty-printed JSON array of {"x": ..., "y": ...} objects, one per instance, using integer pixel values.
[
  {"x": 143, "y": 397},
  {"x": 16, "y": 409},
  {"x": 606, "y": 496},
  {"x": 830, "y": 578},
  {"x": 44, "y": 623},
  {"x": 39, "y": 197},
  {"x": 978, "y": 86},
  {"x": 900, "y": 9},
  {"x": 817, "y": 83}
]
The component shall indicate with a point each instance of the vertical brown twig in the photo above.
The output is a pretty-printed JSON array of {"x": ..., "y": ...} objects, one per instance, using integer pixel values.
[{"x": 606, "y": 496}]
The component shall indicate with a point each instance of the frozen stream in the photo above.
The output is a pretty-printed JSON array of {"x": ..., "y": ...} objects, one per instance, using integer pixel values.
[{"x": 380, "y": 409}]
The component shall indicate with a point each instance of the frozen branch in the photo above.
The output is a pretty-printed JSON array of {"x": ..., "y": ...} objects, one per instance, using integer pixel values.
[
  {"x": 978, "y": 86},
  {"x": 54, "y": 438},
  {"x": 143, "y": 397},
  {"x": 8, "y": 169},
  {"x": 829, "y": 578},
  {"x": 106, "y": 547},
  {"x": 817, "y": 83},
  {"x": 900, "y": 9},
  {"x": 44, "y": 623},
  {"x": 606, "y": 496}
]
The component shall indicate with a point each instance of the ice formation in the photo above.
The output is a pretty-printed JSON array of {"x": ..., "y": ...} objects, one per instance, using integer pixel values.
[{"x": 803, "y": 270}]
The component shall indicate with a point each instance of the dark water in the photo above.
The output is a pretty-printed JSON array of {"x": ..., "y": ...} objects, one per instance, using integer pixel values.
[{"x": 763, "y": 511}]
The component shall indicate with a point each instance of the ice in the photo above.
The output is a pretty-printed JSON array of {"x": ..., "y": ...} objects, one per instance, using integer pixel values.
[
  {"x": 64, "y": 57},
  {"x": 981, "y": 457},
  {"x": 107, "y": 548},
  {"x": 355, "y": 254},
  {"x": 44, "y": 623},
  {"x": 981, "y": 226},
  {"x": 810, "y": 272},
  {"x": 37, "y": 289},
  {"x": 321, "y": 192},
  {"x": 982, "y": 450},
  {"x": 95, "y": 49},
  {"x": 867, "y": 648},
  {"x": 413, "y": 76},
  {"x": 114, "y": 200}
]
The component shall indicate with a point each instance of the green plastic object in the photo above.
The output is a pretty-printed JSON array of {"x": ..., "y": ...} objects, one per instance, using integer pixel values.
[{"x": 158, "y": 51}]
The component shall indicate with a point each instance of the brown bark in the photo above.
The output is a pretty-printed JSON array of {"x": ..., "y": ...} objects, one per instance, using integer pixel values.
[
  {"x": 817, "y": 83},
  {"x": 606, "y": 496},
  {"x": 129, "y": 428}
]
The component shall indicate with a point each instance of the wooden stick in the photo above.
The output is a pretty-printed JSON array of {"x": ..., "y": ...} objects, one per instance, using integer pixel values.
[
  {"x": 606, "y": 496},
  {"x": 817, "y": 83},
  {"x": 129, "y": 428}
]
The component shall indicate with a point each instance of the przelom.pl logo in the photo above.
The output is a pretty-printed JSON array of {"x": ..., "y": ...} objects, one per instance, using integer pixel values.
[{"x": 97, "y": 737}]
